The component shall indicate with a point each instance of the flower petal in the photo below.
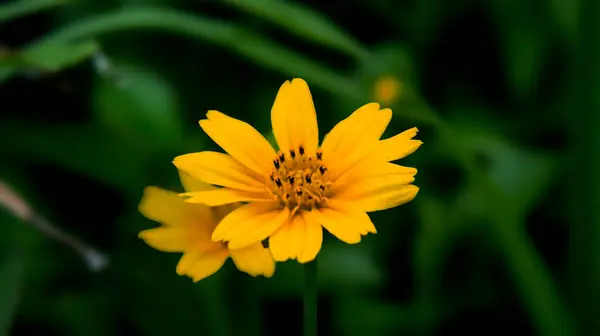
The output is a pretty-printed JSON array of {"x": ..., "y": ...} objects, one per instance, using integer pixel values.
[
  {"x": 250, "y": 224},
  {"x": 313, "y": 240},
  {"x": 240, "y": 140},
  {"x": 223, "y": 196},
  {"x": 218, "y": 169},
  {"x": 299, "y": 239},
  {"x": 399, "y": 146},
  {"x": 168, "y": 239},
  {"x": 167, "y": 208},
  {"x": 162, "y": 206},
  {"x": 288, "y": 241},
  {"x": 257, "y": 229},
  {"x": 378, "y": 196},
  {"x": 191, "y": 184},
  {"x": 340, "y": 224},
  {"x": 362, "y": 219},
  {"x": 199, "y": 265},
  {"x": 294, "y": 118},
  {"x": 254, "y": 260},
  {"x": 368, "y": 169},
  {"x": 354, "y": 137}
]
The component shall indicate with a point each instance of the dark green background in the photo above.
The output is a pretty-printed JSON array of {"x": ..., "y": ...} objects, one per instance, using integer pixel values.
[{"x": 503, "y": 237}]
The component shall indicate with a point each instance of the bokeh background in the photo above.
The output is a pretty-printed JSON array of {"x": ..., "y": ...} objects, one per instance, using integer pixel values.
[{"x": 97, "y": 98}]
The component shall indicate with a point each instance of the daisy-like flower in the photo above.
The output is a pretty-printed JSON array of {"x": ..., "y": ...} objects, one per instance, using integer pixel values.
[
  {"x": 188, "y": 227},
  {"x": 291, "y": 194}
]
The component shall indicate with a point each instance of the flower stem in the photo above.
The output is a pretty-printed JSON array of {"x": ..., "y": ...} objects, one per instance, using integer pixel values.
[{"x": 310, "y": 299}]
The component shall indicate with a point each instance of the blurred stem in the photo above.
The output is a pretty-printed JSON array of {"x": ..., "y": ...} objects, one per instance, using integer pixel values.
[
  {"x": 585, "y": 169},
  {"x": 310, "y": 298},
  {"x": 532, "y": 279}
]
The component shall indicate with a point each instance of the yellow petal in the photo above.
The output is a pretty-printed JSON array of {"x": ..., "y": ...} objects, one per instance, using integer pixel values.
[
  {"x": 256, "y": 229},
  {"x": 379, "y": 197},
  {"x": 244, "y": 213},
  {"x": 368, "y": 169},
  {"x": 254, "y": 260},
  {"x": 199, "y": 266},
  {"x": 191, "y": 184},
  {"x": 399, "y": 146},
  {"x": 293, "y": 117},
  {"x": 167, "y": 207},
  {"x": 240, "y": 140},
  {"x": 354, "y": 137},
  {"x": 362, "y": 220},
  {"x": 370, "y": 185},
  {"x": 168, "y": 239},
  {"x": 338, "y": 223},
  {"x": 299, "y": 239},
  {"x": 218, "y": 169},
  {"x": 288, "y": 241},
  {"x": 188, "y": 259},
  {"x": 313, "y": 240},
  {"x": 223, "y": 196}
]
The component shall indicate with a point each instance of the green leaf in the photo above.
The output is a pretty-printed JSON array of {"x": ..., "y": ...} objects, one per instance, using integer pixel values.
[
  {"x": 48, "y": 57},
  {"x": 17, "y": 9},
  {"x": 303, "y": 22},
  {"x": 144, "y": 107},
  {"x": 252, "y": 46},
  {"x": 53, "y": 57}
]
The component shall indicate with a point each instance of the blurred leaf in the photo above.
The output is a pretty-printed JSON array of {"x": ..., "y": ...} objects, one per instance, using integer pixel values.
[
  {"x": 347, "y": 267},
  {"x": 342, "y": 269},
  {"x": 53, "y": 57},
  {"x": 85, "y": 313},
  {"x": 362, "y": 316},
  {"x": 525, "y": 39},
  {"x": 525, "y": 53},
  {"x": 523, "y": 176},
  {"x": 303, "y": 22},
  {"x": 167, "y": 303},
  {"x": 565, "y": 14},
  {"x": 430, "y": 243},
  {"x": 19, "y": 8},
  {"x": 252, "y": 46},
  {"x": 49, "y": 57},
  {"x": 11, "y": 270},
  {"x": 143, "y": 108},
  {"x": 84, "y": 149}
]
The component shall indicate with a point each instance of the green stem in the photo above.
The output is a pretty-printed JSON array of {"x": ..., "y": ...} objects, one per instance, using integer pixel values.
[{"x": 310, "y": 299}]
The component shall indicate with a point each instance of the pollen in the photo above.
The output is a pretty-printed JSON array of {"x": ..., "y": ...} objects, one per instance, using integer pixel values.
[{"x": 299, "y": 181}]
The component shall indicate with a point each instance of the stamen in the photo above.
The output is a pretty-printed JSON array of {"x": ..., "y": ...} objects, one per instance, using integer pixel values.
[
  {"x": 301, "y": 181},
  {"x": 308, "y": 178}
]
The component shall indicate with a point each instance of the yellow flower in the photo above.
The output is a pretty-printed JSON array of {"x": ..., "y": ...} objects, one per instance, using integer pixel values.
[
  {"x": 188, "y": 227},
  {"x": 293, "y": 193}
]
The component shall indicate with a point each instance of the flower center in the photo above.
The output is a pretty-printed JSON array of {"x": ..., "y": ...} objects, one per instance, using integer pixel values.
[{"x": 299, "y": 181}]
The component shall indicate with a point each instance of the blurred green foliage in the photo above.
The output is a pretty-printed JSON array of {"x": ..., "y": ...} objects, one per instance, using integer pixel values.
[{"x": 98, "y": 97}]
